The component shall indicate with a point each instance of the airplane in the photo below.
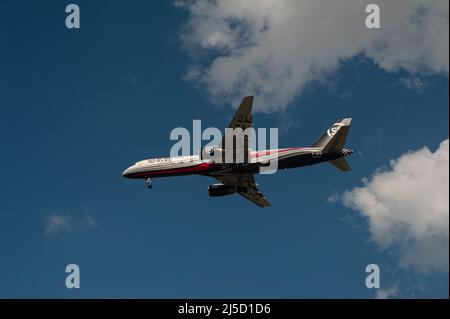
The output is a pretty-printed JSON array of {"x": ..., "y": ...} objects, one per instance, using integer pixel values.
[{"x": 239, "y": 177}]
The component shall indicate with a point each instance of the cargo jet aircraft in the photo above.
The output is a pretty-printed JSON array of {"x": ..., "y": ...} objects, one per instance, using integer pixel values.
[{"x": 238, "y": 177}]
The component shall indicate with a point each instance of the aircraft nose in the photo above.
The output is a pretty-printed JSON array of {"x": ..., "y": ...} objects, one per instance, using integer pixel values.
[{"x": 126, "y": 173}]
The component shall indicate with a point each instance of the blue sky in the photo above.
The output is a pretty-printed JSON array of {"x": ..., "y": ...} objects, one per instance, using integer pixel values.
[{"x": 79, "y": 106}]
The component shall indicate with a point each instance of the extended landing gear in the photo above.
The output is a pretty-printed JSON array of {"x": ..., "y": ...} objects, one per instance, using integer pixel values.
[{"x": 148, "y": 182}]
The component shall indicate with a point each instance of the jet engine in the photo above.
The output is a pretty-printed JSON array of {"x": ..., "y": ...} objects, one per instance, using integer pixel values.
[
  {"x": 217, "y": 190},
  {"x": 217, "y": 154},
  {"x": 213, "y": 153}
]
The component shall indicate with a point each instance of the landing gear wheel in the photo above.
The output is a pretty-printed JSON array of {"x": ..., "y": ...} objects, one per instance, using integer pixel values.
[{"x": 148, "y": 182}]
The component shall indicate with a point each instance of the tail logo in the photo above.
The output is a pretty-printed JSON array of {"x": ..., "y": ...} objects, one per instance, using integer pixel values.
[{"x": 332, "y": 130}]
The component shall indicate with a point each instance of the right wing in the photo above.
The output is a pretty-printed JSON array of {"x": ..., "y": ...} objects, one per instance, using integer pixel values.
[{"x": 246, "y": 186}]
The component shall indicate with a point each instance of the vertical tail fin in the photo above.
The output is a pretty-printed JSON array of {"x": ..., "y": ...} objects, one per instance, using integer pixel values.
[
  {"x": 334, "y": 138},
  {"x": 333, "y": 141}
]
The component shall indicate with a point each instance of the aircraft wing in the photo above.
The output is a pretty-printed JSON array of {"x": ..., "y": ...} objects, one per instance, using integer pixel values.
[
  {"x": 247, "y": 187},
  {"x": 243, "y": 117}
]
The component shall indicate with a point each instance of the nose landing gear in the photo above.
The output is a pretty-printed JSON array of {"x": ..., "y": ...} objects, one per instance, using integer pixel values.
[{"x": 148, "y": 182}]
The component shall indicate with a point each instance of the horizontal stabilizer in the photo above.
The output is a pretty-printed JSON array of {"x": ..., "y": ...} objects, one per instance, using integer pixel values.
[{"x": 341, "y": 163}]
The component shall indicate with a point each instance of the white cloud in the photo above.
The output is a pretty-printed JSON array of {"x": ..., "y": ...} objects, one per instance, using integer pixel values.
[
  {"x": 58, "y": 223},
  {"x": 413, "y": 83},
  {"x": 273, "y": 48},
  {"x": 407, "y": 208},
  {"x": 333, "y": 198},
  {"x": 387, "y": 293}
]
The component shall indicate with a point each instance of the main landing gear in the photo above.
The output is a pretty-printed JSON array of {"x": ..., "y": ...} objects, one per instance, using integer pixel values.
[{"x": 148, "y": 182}]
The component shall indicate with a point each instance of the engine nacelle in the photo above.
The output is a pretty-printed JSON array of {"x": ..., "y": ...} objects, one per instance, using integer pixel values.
[
  {"x": 217, "y": 190},
  {"x": 217, "y": 155},
  {"x": 213, "y": 153}
]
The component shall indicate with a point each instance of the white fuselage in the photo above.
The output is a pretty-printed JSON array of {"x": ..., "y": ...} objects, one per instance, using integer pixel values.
[{"x": 188, "y": 165}]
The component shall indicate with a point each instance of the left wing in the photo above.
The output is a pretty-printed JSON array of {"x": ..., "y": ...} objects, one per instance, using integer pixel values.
[
  {"x": 246, "y": 186},
  {"x": 242, "y": 119},
  {"x": 243, "y": 116}
]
